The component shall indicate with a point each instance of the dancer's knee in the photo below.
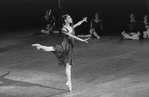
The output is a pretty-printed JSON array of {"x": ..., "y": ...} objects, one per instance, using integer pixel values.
[
  {"x": 91, "y": 31},
  {"x": 68, "y": 65},
  {"x": 123, "y": 33}
]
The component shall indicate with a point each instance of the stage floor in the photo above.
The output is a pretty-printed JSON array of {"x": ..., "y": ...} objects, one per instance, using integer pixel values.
[{"x": 108, "y": 67}]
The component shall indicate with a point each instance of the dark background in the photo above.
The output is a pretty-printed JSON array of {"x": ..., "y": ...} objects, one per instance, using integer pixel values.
[{"x": 24, "y": 14}]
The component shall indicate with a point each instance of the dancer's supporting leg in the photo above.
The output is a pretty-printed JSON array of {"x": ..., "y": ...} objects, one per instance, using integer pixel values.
[
  {"x": 68, "y": 74},
  {"x": 68, "y": 66}
]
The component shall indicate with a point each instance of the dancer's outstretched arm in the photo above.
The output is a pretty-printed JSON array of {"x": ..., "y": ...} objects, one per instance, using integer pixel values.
[
  {"x": 77, "y": 38},
  {"x": 45, "y": 48},
  {"x": 88, "y": 35},
  {"x": 80, "y": 22}
]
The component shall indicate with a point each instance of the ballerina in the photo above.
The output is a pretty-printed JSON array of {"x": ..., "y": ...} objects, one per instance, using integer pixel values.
[{"x": 64, "y": 51}]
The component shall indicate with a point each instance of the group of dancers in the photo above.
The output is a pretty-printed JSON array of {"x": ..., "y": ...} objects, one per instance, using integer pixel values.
[
  {"x": 135, "y": 30},
  {"x": 96, "y": 26},
  {"x": 64, "y": 51}
]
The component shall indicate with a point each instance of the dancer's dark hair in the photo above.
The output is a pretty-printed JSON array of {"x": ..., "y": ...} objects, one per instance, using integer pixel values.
[{"x": 64, "y": 18}]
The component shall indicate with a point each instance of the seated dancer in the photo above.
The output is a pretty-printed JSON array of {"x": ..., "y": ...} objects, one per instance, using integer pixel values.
[
  {"x": 145, "y": 27},
  {"x": 49, "y": 22},
  {"x": 131, "y": 30},
  {"x": 64, "y": 51},
  {"x": 96, "y": 27}
]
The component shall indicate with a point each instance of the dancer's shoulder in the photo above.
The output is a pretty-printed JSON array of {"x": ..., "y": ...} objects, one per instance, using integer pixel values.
[{"x": 65, "y": 29}]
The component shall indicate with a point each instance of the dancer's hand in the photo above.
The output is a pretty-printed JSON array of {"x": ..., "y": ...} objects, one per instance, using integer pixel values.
[
  {"x": 86, "y": 40},
  {"x": 38, "y": 46},
  {"x": 85, "y": 19},
  {"x": 92, "y": 29}
]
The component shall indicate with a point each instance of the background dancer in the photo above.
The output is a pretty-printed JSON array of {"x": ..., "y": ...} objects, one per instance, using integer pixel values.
[
  {"x": 64, "y": 50},
  {"x": 49, "y": 22},
  {"x": 145, "y": 27},
  {"x": 131, "y": 30},
  {"x": 96, "y": 27}
]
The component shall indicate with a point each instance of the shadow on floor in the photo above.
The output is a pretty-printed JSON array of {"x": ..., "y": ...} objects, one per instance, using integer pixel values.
[{"x": 8, "y": 82}]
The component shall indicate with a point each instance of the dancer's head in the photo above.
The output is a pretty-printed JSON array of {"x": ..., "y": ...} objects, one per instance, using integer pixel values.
[
  {"x": 145, "y": 17},
  {"x": 47, "y": 12},
  {"x": 96, "y": 15},
  {"x": 50, "y": 11},
  {"x": 132, "y": 16},
  {"x": 66, "y": 19}
]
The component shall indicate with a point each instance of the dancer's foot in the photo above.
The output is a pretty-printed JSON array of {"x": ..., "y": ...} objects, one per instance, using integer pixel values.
[
  {"x": 38, "y": 46},
  {"x": 69, "y": 86},
  {"x": 135, "y": 38},
  {"x": 98, "y": 37}
]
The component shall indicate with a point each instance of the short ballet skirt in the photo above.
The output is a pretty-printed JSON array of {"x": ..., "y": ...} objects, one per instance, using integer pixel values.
[{"x": 64, "y": 51}]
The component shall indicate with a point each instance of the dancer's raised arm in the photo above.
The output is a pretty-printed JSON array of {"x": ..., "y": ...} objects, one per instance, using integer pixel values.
[{"x": 80, "y": 22}]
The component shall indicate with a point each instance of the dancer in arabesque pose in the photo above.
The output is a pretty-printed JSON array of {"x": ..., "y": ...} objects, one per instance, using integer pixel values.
[{"x": 64, "y": 51}]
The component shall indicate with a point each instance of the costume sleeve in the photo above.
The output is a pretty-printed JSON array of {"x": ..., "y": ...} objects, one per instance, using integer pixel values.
[{"x": 64, "y": 30}]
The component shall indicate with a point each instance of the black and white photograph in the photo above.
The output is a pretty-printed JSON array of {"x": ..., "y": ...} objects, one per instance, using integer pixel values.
[{"x": 74, "y": 48}]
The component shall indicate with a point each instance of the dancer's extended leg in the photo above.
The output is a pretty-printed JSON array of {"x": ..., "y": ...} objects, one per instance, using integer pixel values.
[{"x": 45, "y": 48}]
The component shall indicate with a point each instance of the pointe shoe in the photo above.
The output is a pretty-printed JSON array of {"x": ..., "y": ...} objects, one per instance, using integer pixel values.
[{"x": 69, "y": 86}]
